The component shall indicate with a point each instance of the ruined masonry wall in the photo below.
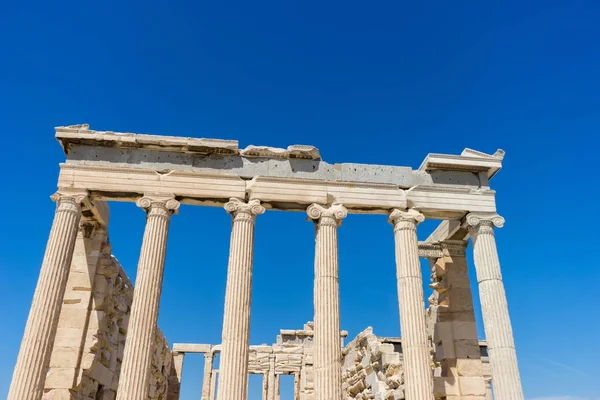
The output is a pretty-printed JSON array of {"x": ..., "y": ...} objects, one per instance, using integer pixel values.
[
  {"x": 88, "y": 348},
  {"x": 371, "y": 369},
  {"x": 459, "y": 370}
]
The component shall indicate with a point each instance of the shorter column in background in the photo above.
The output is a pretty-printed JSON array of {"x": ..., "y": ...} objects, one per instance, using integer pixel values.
[
  {"x": 213, "y": 384},
  {"x": 209, "y": 359},
  {"x": 277, "y": 387},
  {"x": 297, "y": 386},
  {"x": 271, "y": 378},
  {"x": 265, "y": 386}
]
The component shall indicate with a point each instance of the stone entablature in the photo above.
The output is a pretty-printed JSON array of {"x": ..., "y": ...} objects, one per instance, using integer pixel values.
[{"x": 116, "y": 166}]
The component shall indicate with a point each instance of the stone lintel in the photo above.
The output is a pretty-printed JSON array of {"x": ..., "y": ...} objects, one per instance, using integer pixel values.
[
  {"x": 191, "y": 348},
  {"x": 207, "y": 348},
  {"x": 435, "y": 250},
  {"x": 291, "y": 194},
  {"x": 390, "y": 339},
  {"x": 164, "y": 153},
  {"x": 448, "y": 230},
  {"x": 302, "y": 332}
]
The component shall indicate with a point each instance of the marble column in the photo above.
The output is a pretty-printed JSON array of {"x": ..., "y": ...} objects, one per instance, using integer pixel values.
[
  {"x": 496, "y": 321},
  {"x": 213, "y": 383},
  {"x": 40, "y": 330},
  {"x": 233, "y": 364},
  {"x": 327, "y": 349},
  {"x": 297, "y": 386},
  {"x": 139, "y": 342},
  {"x": 208, "y": 371},
  {"x": 418, "y": 375},
  {"x": 278, "y": 387},
  {"x": 265, "y": 386},
  {"x": 271, "y": 378}
]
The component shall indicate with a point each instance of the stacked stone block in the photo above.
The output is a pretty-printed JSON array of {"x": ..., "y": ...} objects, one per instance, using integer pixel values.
[
  {"x": 459, "y": 370},
  {"x": 372, "y": 369},
  {"x": 88, "y": 350}
]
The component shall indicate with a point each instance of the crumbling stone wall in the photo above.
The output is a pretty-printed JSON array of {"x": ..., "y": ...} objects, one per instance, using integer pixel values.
[
  {"x": 372, "y": 369},
  {"x": 88, "y": 350},
  {"x": 459, "y": 371}
]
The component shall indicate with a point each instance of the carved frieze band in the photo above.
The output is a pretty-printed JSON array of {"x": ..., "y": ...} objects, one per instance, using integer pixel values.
[
  {"x": 447, "y": 248},
  {"x": 333, "y": 214}
]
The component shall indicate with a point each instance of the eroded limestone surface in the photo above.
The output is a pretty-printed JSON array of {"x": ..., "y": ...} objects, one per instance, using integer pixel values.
[
  {"x": 372, "y": 369},
  {"x": 88, "y": 349}
]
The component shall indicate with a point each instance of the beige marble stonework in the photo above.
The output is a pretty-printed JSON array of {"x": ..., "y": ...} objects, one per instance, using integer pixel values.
[
  {"x": 233, "y": 366},
  {"x": 93, "y": 325},
  {"x": 372, "y": 367},
  {"x": 90, "y": 334},
  {"x": 418, "y": 374},
  {"x": 208, "y": 372},
  {"x": 327, "y": 351},
  {"x": 137, "y": 357},
  {"x": 459, "y": 369},
  {"x": 496, "y": 321},
  {"x": 40, "y": 330}
]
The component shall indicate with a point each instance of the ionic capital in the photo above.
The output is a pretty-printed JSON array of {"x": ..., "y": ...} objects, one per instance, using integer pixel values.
[
  {"x": 334, "y": 213},
  {"x": 67, "y": 199},
  {"x": 240, "y": 209},
  {"x": 474, "y": 220},
  {"x": 411, "y": 216},
  {"x": 159, "y": 204}
]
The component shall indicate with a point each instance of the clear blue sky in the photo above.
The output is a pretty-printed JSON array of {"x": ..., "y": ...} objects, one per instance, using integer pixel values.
[{"x": 384, "y": 83}]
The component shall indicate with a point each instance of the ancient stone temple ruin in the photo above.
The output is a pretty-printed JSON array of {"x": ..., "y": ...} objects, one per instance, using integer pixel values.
[{"x": 91, "y": 335}]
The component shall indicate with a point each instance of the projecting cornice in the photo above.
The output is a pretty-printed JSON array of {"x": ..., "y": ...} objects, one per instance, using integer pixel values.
[{"x": 124, "y": 166}]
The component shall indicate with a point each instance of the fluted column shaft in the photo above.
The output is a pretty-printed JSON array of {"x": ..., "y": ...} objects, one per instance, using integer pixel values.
[
  {"x": 418, "y": 375},
  {"x": 208, "y": 371},
  {"x": 327, "y": 348},
  {"x": 38, "y": 339},
  {"x": 139, "y": 343},
  {"x": 233, "y": 364},
  {"x": 496, "y": 320}
]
